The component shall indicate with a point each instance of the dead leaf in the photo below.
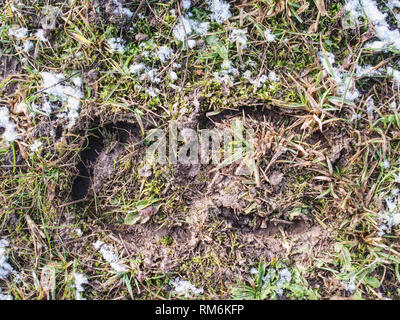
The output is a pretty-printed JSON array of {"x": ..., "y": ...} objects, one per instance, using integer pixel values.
[
  {"x": 276, "y": 178},
  {"x": 321, "y": 7}
]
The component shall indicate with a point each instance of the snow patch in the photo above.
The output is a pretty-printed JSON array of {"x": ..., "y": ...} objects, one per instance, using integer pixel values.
[
  {"x": 219, "y": 10},
  {"x": 10, "y": 133},
  {"x": 121, "y": 11},
  {"x": 70, "y": 94},
  {"x": 164, "y": 53},
  {"x": 368, "y": 9},
  {"x": 269, "y": 36},
  {"x": 284, "y": 277},
  {"x": 116, "y": 45},
  {"x": 41, "y": 35},
  {"x": 35, "y": 147},
  {"x": 5, "y": 296},
  {"x": 186, "y": 4},
  {"x": 80, "y": 281},
  {"x": 184, "y": 287},
  {"x": 18, "y": 32},
  {"x": 391, "y": 217},
  {"x": 346, "y": 84},
  {"x": 187, "y": 26},
  {"x": 239, "y": 36},
  {"x": 110, "y": 256}
]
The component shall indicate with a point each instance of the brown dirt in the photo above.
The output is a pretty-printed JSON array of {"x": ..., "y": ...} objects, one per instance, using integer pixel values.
[
  {"x": 217, "y": 205},
  {"x": 102, "y": 12},
  {"x": 98, "y": 160}
]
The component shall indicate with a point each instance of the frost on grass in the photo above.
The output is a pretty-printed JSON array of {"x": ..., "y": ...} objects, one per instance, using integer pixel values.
[
  {"x": 10, "y": 133},
  {"x": 110, "y": 256},
  {"x": 80, "y": 281},
  {"x": 71, "y": 95},
  {"x": 184, "y": 287},
  {"x": 390, "y": 217}
]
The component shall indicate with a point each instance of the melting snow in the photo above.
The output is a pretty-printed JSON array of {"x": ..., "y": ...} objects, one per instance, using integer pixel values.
[
  {"x": 273, "y": 77},
  {"x": 186, "y": 4},
  {"x": 284, "y": 277},
  {"x": 239, "y": 36},
  {"x": 346, "y": 84},
  {"x": 395, "y": 74},
  {"x": 110, "y": 256},
  {"x": 35, "y": 147},
  {"x": 219, "y": 10},
  {"x": 120, "y": 10},
  {"x": 164, "y": 53},
  {"x": 10, "y": 133},
  {"x": 390, "y": 217},
  {"x": 80, "y": 281},
  {"x": 53, "y": 85},
  {"x": 173, "y": 75},
  {"x": 185, "y": 288},
  {"x": 269, "y": 36},
  {"x": 78, "y": 232},
  {"x": 41, "y": 35},
  {"x": 5, "y": 268},
  {"x": 116, "y": 45},
  {"x": 17, "y": 32},
  {"x": 187, "y": 26},
  {"x": 5, "y": 296},
  {"x": 369, "y": 9},
  {"x": 137, "y": 68}
]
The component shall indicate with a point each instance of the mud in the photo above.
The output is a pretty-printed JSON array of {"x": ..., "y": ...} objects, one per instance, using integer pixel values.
[
  {"x": 221, "y": 209},
  {"x": 9, "y": 67},
  {"x": 104, "y": 12},
  {"x": 99, "y": 157}
]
